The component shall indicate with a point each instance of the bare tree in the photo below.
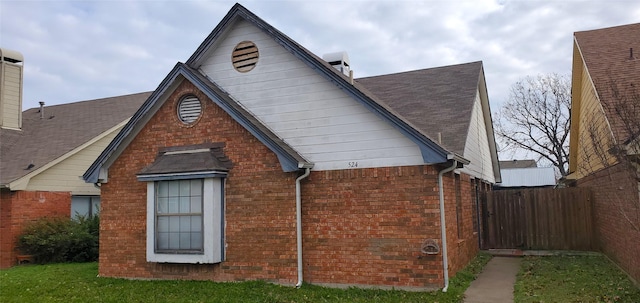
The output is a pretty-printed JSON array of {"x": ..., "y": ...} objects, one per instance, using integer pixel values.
[{"x": 536, "y": 118}]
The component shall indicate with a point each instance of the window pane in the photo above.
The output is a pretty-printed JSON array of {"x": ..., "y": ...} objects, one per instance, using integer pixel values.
[
  {"x": 196, "y": 205},
  {"x": 173, "y": 205},
  {"x": 96, "y": 205},
  {"x": 185, "y": 224},
  {"x": 163, "y": 205},
  {"x": 174, "y": 223},
  {"x": 185, "y": 188},
  {"x": 196, "y": 223},
  {"x": 174, "y": 240},
  {"x": 80, "y": 206},
  {"x": 163, "y": 240},
  {"x": 163, "y": 189},
  {"x": 185, "y": 240},
  {"x": 185, "y": 205},
  {"x": 174, "y": 189},
  {"x": 196, "y": 187},
  {"x": 163, "y": 224},
  {"x": 196, "y": 240}
]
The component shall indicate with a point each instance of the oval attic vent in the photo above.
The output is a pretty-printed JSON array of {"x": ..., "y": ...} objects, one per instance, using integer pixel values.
[
  {"x": 245, "y": 56},
  {"x": 189, "y": 109}
]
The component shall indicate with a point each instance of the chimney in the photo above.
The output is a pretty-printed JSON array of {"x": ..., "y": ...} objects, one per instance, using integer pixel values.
[
  {"x": 339, "y": 61},
  {"x": 11, "y": 68},
  {"x": 41, "y": 109}
]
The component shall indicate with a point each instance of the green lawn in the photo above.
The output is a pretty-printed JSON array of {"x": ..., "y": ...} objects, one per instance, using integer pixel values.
[
  {"x": 79, "y": 283},
  {"x": 573, "y": 279}
]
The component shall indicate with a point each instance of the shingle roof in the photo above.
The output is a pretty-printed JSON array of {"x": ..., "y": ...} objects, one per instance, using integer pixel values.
[
  {"x": 435, "y": 100},
  {"x": 607, "y": 55},
  {"x": 189, "y": 159},
  {"x": 63, "y": 128}
]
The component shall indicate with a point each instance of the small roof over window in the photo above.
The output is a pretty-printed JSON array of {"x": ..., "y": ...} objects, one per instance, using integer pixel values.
[{"x": 188, "y": 162}]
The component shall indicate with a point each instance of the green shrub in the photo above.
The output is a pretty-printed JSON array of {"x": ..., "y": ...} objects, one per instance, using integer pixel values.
[{"x": 52, "y": 240}]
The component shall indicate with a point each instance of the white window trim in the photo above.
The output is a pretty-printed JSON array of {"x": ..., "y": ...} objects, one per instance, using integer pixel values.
[{"x": 212, "y": 216}]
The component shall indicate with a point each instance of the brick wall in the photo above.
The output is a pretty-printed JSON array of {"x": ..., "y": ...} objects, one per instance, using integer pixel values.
[
  {"x": 19, "y": 208},
  {"x": 366, "y": 227},
  {"x": 260, "y": 202},
  {"x": 361, "y": 227},
  {"x": 616, "y": 202}
]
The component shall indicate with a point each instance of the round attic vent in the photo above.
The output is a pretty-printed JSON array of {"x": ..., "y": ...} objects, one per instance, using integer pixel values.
[
  {"x": 245, "y": 56},
  {"x": 189, "y": 109}
]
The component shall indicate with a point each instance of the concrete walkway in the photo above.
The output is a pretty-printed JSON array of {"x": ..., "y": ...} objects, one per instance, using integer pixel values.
[{"x": 495, "y": 282}]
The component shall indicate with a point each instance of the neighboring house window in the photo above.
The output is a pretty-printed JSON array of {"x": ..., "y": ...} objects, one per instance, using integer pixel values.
[
  {"x": 185, "y": 221},
  {"x": 85, "y": 206}
]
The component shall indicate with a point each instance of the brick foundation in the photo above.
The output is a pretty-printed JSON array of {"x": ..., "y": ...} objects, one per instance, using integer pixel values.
[
  {"x": 360, "y": 227},
  {"x": 616, "y": 202},
  {"x": 18, "y": 209}
]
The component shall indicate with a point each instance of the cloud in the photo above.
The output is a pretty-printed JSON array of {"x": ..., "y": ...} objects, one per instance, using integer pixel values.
[{"x": 79, "y": 50}]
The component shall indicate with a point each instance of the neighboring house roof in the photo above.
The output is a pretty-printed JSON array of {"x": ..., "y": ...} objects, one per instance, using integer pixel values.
[
  {"x": 438, "y": 101},
  {"x": 62, "y": 131},
  {"x": 527, "y": 177},
  {"x": 518, "y": 164},
  {"x": 612, "y": 58},
  {"x": 431, "y": 151}
]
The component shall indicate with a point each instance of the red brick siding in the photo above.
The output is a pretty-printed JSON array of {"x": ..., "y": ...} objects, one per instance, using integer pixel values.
[
  {"x": 366, "y": 227},
  {"x": 19, "y": 208},
  {"x": 260, "y": 202},
  {"x": 616, "y": 196},
  {"x": 361, "y": 227},
  {"x": 460, "y": 249}
]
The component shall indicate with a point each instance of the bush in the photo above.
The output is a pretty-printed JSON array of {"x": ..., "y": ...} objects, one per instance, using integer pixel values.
[{"x": 52, "y": 240}]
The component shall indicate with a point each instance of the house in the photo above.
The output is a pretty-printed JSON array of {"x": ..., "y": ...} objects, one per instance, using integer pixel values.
[
  {"x": 258, "y": 160},
  {"x": 525, "y": 173},
  {"x": 605, "y": 124},
  {"x": 44, "y": 151}
]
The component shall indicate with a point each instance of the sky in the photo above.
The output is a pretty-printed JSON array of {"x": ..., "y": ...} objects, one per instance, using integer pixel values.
[{"x": 83, "y": 50}]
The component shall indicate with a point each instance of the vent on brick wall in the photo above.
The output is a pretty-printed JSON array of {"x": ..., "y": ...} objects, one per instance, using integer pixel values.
[
  {"x": 430, "y": 247},
  {"x": 245, "y": 56},
  {"x": 189, "y": 109}
]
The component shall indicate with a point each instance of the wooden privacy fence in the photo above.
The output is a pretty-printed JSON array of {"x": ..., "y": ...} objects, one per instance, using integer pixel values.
[{"x": 538, "y": 219}]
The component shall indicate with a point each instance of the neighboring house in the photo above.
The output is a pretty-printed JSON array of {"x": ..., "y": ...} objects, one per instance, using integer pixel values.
[
  {"x": 44, "y": 152},
  {"x": 256, "y": 159},
  {"x": 605, "y": 125},
  {"x": 525, "y": 173}
]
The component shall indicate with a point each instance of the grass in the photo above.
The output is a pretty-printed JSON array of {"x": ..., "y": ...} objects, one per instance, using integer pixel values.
[
  {"x": 79, "y": 283},
  {"x": 567, "y": 278}
]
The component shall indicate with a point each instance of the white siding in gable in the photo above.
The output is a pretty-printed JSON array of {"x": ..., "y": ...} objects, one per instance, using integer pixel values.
[
  {"x": 66, "y": 175},
  {"x": 476, "y": 148},
  {"x": 311, "y": 114}
]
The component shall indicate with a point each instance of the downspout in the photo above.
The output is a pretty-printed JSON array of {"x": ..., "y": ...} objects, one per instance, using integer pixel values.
[
  {"x": 443, "y": 226},
  {"x": 299, "y": 224}
]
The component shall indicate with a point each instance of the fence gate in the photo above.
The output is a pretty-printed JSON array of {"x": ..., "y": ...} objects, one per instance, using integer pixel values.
[{"x": 538, "y": 219}]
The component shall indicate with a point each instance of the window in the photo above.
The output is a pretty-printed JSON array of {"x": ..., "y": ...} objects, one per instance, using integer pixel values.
[
  {"x": 185, "y": 221},
  {"x": 85, "y": 206}
]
